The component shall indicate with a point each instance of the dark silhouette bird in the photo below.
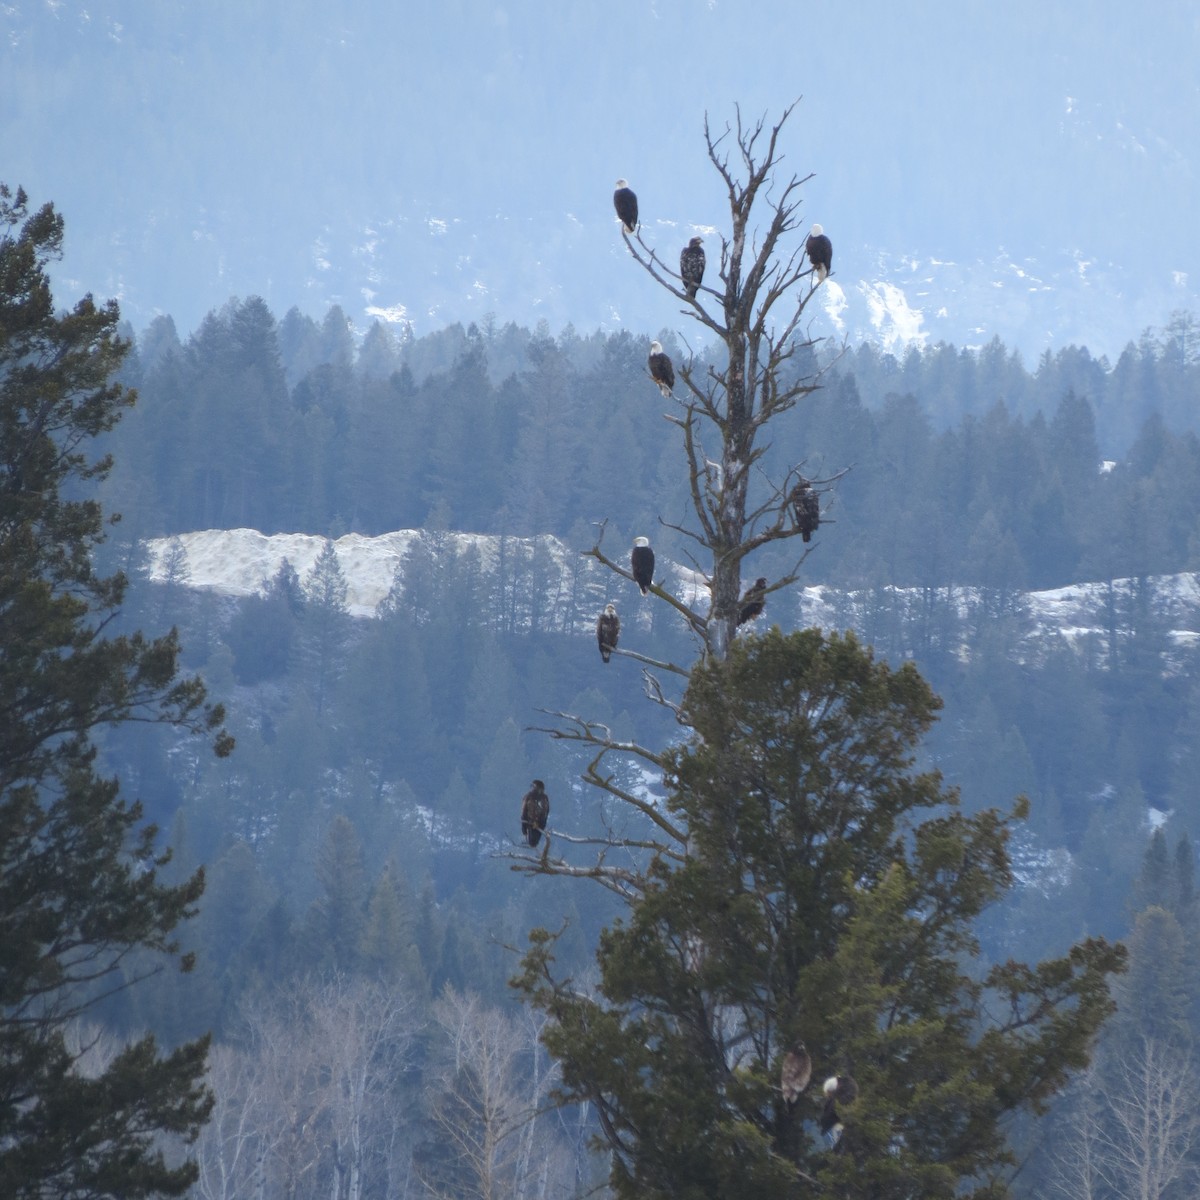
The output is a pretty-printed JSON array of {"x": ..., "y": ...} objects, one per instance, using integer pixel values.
[
  {"x": 608, "y": 631},
  {"x": 691, "y": 266},
  {"x": 820, "y": 252},
  {"x": 754, "y": 600},
  {"x": 641, "y": 559},
  {"x": 625, "y": 202},
  {"x": 838, "y": 1089},
  {"x": 795, "y": 1073},
  {"x": 661, "y": 370},
  {"x": 806, "y": 505},
  {"x": 535, "y": 808}
]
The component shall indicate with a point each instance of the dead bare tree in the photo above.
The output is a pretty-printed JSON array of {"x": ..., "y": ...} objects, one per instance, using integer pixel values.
[
  {"x": 1134, "y": 1128},
  {"x": 762, "y": 368},
  {"x": 310, "y": 1097},
  {"x": 485, "y": 1105}
]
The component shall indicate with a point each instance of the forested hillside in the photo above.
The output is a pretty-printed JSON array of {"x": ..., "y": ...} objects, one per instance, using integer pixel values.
[{"x": 361, "y": 825}]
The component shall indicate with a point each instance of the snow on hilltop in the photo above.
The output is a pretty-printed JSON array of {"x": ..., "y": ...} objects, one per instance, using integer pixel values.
[{"x": 237, "y": 562}]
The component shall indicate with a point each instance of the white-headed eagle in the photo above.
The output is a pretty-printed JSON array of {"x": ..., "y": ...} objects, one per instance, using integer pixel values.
[
  {"x": 641, "y": 559},
  {"x": 838, "y": 1089},
  {"x": 691, "y": 266},
  {"x": 625, "y": 202},
  {"x": 795, "y": 1073},
  {"x": 535, "y": 808},
  {"x": 754, "y": 600},
  {"x": 661, "y": 370},
  {"x": 608, "y": 631},
  {"x": 806, "y": 507},
  {"x": 820, "y": 252}
]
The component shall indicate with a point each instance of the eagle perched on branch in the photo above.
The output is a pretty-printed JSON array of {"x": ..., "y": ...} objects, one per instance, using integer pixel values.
[
  {"x": 691, "y": 266},
  {"x": 641, "y": 559},
  {"x": 754, "y": 600},
  {"x": 806, "y": 505},
  {"x": 625, "y": 202},
  {"x": 608, "y": 631},
  {"x": 795, "y": 1073},
  {"x": 535, "y": 809},
  {"x": 661, "y": 370}
]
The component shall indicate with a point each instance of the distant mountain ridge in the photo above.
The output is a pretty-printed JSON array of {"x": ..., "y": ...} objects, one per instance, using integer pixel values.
[{"x": 441, "y": 164}]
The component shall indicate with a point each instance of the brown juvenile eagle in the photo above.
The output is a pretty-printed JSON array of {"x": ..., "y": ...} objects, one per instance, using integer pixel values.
[
  {"x": 535, "y": 808},
  {"x": 691, "y": 266},
  {"x": 795, "y": 1073},
  {"x": 754, "y": 600},
  {"x": 806, "y": 505},
  {"x": 608, "y": 631}
]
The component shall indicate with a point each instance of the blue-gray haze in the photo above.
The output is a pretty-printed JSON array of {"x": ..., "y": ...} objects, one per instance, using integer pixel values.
[{"x": 1026, "y": 170}]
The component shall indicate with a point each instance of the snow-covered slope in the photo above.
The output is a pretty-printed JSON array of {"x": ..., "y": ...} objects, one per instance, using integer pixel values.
[{"x": 238, "y": 562}]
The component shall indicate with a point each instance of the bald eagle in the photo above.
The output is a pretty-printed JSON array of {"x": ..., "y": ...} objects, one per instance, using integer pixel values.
[
  {"x": 661, "y": 370},
  {"x": 754, "y": 600},
  {"x": 691, "y": 266},
  {"x": 807, "y": 508},
  {"x": 625, "y": 202},
  {"x": 535, "y": 808},
  {"x": 838, "y": 1089},
  {"x": 608, "y": 631},
  {"x": 641, "y": 558},
  {"x": 820, "y": 252},
  {"x": 795, "y": 1073}
]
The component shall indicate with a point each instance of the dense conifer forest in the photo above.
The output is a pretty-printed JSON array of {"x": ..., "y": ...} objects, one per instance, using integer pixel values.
[{"x": 358, "y": 833}]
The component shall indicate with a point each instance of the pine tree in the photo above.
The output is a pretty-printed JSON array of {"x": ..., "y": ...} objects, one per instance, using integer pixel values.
[
  {"x": 80, "y": 889},
  {"x": 326, "y": 623},
  {"x": 802, "y": 883},
  {"x": 829, "y": 899}
]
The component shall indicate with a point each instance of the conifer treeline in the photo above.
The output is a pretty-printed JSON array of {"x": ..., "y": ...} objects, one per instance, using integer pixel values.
[
  {"x": 379, "y": 763},
  {"x": 965, "y": 466}
]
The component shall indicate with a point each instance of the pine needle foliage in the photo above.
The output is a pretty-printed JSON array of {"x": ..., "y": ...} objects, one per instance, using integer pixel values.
[
  {"x": 829, "y": 898},
  {"x": 83, "y": 911}
]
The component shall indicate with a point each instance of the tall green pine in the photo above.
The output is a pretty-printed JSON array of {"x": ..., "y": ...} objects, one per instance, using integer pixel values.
[{"x": 83, "y": 909}]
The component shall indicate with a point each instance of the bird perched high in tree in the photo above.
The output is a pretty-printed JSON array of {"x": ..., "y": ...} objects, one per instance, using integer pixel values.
[
  {"x": 691, "y": 266},
  {"x": 820, "y": 252},
  {"x": 837, "y": 1089},
  {"x": 626, "y": 203},
  {"x": 753, "y": 601},
  {"x": 661, "y": 369},
  {"x": 795, "y": 1073},
  {"x": 535, "y": 811},
  {"x": 806, "y": 507},
  {"x": 641, "y": 561},
  {"x": 608, "y": 631}
]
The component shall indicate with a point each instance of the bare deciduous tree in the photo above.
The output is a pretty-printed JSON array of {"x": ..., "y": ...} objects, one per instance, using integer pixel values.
[
  {"x": 484, "y": 1107},
  {"x": 312, "y": 1096},
  {"x": 1134, "y": 1129},
  {"x": 724, "y": 406}
]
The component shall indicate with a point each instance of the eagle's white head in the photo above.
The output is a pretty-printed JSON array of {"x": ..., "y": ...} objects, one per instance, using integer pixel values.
[
  {"x": 642, "y": 541},
  {"x": 622, "y": 183},
  {"x": 817, "y": 231},
  {"x": 656, "y": 347}
]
